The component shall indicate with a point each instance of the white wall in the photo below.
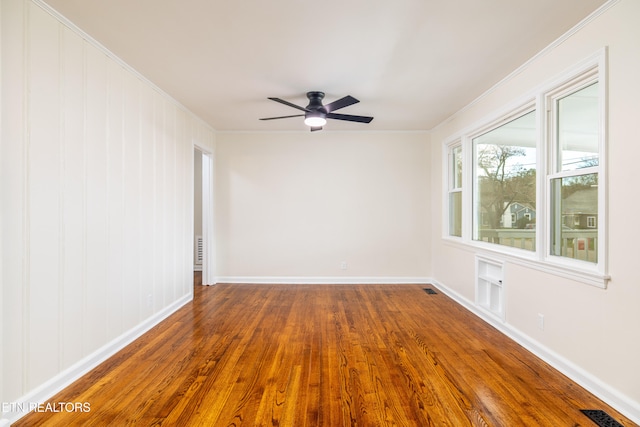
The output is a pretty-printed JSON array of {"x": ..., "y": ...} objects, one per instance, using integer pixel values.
[
  {"x": 591, "y": 333},
  {"x": 97, "y": 184},
  {"x": 294, "y": 206}
]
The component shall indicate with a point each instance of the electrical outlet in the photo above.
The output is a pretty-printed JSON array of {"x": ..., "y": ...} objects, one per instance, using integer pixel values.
[
  {"x": 343, "y": 265},
  {"x": 541, "y": 321}
]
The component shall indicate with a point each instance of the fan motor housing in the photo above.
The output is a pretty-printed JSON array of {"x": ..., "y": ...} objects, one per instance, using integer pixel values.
[{"x": 315, "y": 101}]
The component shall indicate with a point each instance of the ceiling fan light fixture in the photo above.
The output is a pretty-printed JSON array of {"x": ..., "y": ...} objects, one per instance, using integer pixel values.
[
  {"x": 315, "y": 120},
  {"x": 316, "y": 114}
]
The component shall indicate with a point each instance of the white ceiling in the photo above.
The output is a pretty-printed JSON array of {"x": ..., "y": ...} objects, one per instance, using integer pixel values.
[{"x": 411, "y": 63}]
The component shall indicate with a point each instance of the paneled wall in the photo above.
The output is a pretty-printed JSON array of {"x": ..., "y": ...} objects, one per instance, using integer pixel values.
[{"x": 97, "y": 201}]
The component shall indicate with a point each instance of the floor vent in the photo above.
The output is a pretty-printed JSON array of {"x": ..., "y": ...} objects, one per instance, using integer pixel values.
[
  {"x": 601, "y": 418},
  {"x": 430, "y": 291}
]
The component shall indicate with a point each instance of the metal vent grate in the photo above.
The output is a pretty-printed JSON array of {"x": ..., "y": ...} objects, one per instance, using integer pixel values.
[
  {"x": 430, "y": 291},
  {"x": 198, "y": 250},
  {"x": 601, "y": 418}
]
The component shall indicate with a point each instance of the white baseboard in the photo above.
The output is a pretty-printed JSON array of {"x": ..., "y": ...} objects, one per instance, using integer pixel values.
[
  {"x": 318, "y": 280},
  {"x": 614, "y": 398},
  {"x": 45, "y": 391}
]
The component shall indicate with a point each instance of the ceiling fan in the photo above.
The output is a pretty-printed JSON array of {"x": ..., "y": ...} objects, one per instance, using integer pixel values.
[{"x": 316, "y": 114}]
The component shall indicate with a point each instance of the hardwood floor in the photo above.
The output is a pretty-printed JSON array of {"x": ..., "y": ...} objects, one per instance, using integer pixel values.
[{"x": 324, "y": 355}]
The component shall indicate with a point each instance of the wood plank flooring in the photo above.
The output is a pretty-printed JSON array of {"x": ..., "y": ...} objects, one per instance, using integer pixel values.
[{"x": 323, "y": 355}]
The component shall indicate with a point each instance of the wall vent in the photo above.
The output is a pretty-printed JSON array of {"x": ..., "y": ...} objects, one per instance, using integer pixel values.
[
  {"x": 198, "y": 250},
  {"x": 490, "y": 291},
  {"x": 601, "y": 418}
]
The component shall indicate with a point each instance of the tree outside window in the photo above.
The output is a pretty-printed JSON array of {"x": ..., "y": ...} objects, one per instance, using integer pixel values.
[{"x": 505, "y": 183}]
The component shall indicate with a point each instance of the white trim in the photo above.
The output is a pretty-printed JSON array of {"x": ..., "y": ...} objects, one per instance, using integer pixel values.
[
  {"x": 613, "y": 397},
  {"x": 208, "y": 266},
  {"x": 329, "y": 280},
  {"x": 54, "y": 385}
]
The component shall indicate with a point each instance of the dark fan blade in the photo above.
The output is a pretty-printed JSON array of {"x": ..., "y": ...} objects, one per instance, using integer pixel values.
[
  {"x": 282, "y": 101},
  {"x": 315, "y": 128},
  {"x": 341, "y": 103},
  {"x": 282, "y": 117},
  {"x": 349, "y": 118}
]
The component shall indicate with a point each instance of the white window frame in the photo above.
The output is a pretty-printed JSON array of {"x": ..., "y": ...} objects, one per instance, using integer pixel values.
[
  {"x": 589, "y": 70},
  {"x": 451, "y": 188}
]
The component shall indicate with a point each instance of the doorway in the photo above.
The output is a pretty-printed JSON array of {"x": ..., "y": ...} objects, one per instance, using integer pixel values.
[{"x": 203, "y": 224}]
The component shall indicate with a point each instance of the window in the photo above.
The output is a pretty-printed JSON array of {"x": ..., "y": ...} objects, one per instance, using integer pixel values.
[
  {"x": 455, "y": 191},
  {"x": 536, "y": 178},
  {"x": 575, "y": 169},
  {"x": 504, "y": 179}
]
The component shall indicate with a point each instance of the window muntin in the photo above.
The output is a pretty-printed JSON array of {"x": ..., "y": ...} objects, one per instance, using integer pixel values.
[{"x": 505, "y": 183}]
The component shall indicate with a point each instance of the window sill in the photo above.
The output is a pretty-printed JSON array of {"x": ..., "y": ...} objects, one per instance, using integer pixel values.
[{"x": 530, "y": 260}]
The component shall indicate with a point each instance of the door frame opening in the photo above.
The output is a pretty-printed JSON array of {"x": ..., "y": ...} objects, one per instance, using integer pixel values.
[{"x": 208, "y": 228}]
